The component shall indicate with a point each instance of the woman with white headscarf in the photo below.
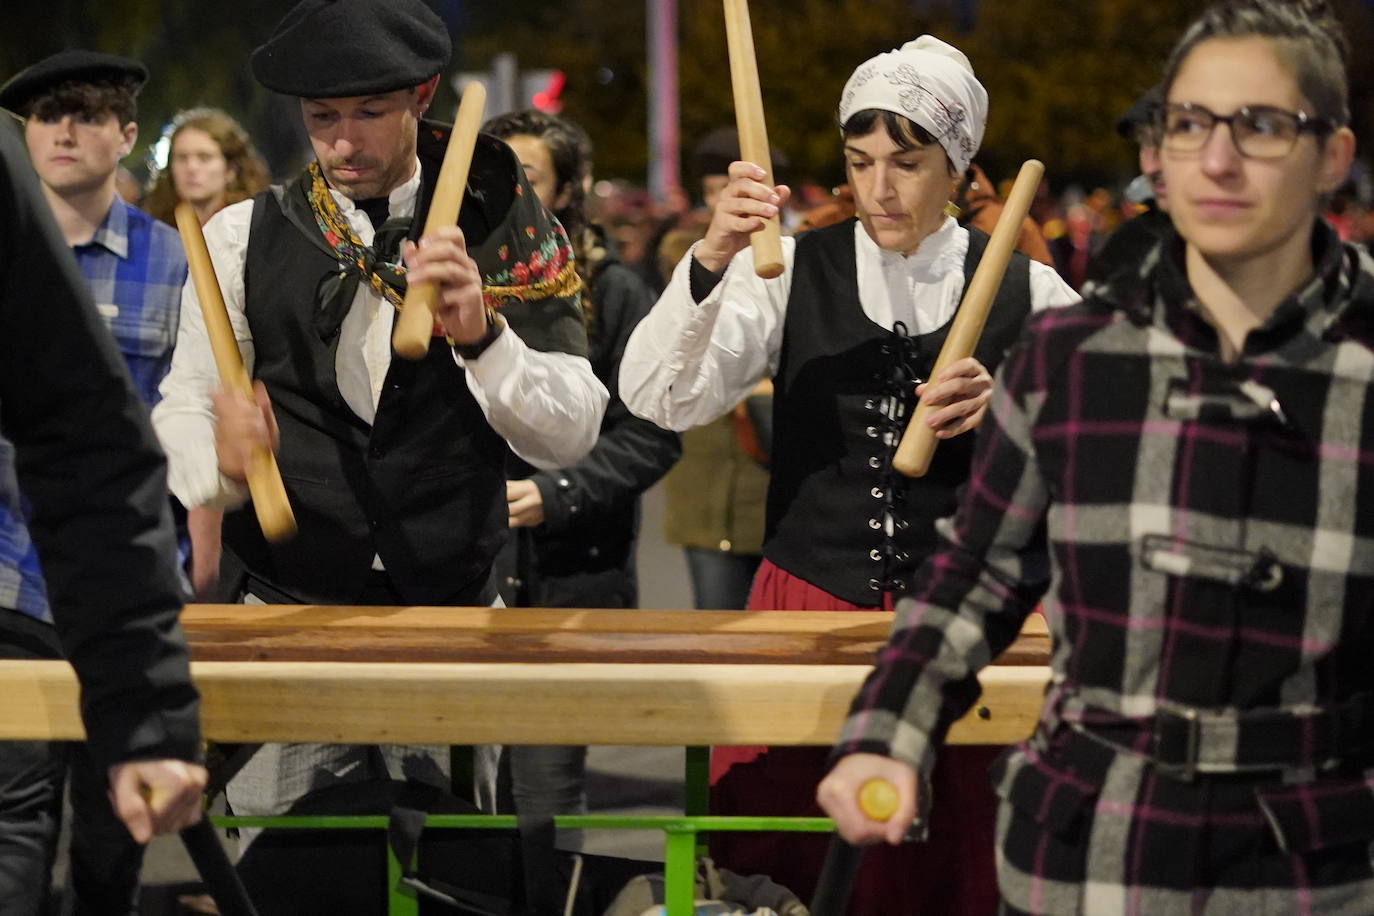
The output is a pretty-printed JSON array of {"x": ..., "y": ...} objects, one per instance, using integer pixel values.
[{"x": 849, "y": 334}]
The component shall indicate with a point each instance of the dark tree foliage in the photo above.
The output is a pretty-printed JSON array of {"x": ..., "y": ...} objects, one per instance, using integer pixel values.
[{"x": 1058, "y": 74}]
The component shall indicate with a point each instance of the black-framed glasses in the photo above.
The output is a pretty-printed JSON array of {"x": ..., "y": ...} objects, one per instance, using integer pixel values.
[{"x": 1257, "y": 131}]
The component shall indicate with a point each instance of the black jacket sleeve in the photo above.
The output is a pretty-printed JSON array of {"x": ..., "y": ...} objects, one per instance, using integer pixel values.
[
  {"x": 88, "y": 462},
  {"x": 631, "y": 454}
]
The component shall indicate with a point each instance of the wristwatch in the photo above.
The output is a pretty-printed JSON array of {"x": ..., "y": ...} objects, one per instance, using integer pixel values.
[{"x": 475, "y": 349}]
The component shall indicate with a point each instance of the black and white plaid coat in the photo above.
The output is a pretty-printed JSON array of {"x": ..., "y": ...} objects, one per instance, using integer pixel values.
[{"x": 1202, "y": 534}]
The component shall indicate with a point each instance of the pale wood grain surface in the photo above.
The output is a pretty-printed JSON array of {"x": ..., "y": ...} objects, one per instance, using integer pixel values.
[{"x": 553, "y": 703}]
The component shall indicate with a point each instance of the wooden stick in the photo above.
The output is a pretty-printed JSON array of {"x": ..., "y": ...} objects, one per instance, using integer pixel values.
[
  {"x": 753, "y": 133},
  {"x": 264, "y": 477},
  {"x": 415, "y": 324},
  {"x": 918, "y": 442}
]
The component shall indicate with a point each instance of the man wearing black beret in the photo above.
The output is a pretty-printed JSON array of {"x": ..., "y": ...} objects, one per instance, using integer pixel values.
[
  {"x": 395, "y": 469},
  {"x": 1125, "y": 248},
  {"x": 78, "y": 109}
]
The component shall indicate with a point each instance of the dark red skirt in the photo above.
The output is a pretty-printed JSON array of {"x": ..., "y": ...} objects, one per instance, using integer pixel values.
[{"x": 952, "y": 873}]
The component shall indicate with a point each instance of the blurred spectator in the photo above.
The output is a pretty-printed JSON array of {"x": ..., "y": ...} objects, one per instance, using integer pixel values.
[
  {"x": 627, "y": 214},
  {"x": 838, "y": 208},
  {"x": 1129, "y": 244},
  {"x": 716, "y": 493},
  {"x": 575, "y": 527},
  {"x": 1343, "y": 213},
  {"x": 211, "y": 162},
  {"x": 128, "y": 187},
  {"x": 1073, "y": 249},
  {"x": 707, "y": 167},
  {"x": 981, "y": 206}
]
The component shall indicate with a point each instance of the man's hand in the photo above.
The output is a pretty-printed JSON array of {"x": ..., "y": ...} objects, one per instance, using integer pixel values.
[
  {"x": 958, "y": 398},
  {"x": 838, "y": 795},
  {"x": 156, "y": 796},
  {"x": 241, "y": 426},
  {"x": 744, "y": 206},
  {"x": 525, "y": 504},
  {"x": 442, "y": 258}
]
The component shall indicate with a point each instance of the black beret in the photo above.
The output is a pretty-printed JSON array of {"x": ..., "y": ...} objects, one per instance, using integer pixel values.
[
  {"x": 1141, "y": 113},
  {"x": 716, "y": 150},
  {"x": 71, "y": 67},
  {"x": 335, "y": 48}
]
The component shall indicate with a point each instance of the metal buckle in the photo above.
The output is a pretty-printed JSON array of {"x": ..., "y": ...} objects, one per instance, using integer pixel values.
[{"x": 1188, "y": 718}]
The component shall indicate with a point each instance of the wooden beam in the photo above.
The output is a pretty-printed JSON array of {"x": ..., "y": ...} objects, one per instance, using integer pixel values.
[
  {"x": 547, "y": 703},
  {"x": 235, "y": 632}
]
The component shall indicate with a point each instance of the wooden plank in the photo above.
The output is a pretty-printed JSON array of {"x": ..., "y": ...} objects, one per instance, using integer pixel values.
[
  {"x": 446, "y": 634},
  {"x": 553, "y": 703}
]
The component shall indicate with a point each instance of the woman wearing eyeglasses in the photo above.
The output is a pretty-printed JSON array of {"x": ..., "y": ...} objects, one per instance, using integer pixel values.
[{"x": 1183, "y": 466}]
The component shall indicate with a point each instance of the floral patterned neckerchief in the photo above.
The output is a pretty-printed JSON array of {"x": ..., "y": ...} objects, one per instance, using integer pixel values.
[
  {"x": 386, "y": 279},
  {"x": 531, "y": 261}
]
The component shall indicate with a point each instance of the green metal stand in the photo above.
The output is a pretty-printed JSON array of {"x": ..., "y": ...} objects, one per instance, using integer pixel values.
[
  {"x": 680, "y": 841},
  {"x": 697, "y": 787}
]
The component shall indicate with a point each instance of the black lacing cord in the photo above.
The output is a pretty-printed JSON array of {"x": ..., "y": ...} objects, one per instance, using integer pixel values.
[{"x": 899, "y": 391}]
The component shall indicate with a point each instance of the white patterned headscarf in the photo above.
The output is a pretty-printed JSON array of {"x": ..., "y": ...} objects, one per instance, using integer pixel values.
[{"x": 930, "y": 82}]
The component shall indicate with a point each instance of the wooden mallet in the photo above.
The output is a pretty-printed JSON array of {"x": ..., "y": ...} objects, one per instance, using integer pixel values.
[
  {"x": 264, "y": 478},
  {"x": 918, "y": 442},
  {"x": 753, "y": 134},
  {"x": 415, "y": 323}
]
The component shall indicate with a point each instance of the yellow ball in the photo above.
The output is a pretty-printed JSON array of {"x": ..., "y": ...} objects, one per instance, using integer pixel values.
[{"x": 878, "y": 799}]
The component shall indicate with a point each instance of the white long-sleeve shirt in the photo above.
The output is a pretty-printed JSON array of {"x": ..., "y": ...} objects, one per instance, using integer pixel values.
[
  {"x": 548, "y": 406},
  {"x": 689, "y": 362}
]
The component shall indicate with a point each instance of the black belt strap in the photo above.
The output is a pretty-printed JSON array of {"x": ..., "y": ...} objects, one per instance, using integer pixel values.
[{"x": 1184, "y": 741}]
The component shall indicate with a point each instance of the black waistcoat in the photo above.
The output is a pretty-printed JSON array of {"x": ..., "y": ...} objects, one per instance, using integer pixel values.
[
  {"x": 832, "y": 479},
  {"x": 424, "y": 487}
]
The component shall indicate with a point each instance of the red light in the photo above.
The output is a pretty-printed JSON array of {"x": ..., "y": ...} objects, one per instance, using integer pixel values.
[{"x": 547, "y": 99}]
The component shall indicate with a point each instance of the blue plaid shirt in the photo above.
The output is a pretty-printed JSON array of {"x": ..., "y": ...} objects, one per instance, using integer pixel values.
[
  {"x": 21, "y": 579},
  {"x": 136, "y": 269}
]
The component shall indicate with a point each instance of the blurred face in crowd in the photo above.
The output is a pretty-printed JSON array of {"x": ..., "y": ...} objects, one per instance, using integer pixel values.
[
  {"x": 900, "y": 194},
  {"x": 1231, "y": 207},
  {"x": 534, "y": 155},
  {"x": 1147, "y": 136},
  {"x": 200, "y": 172},
  {"x": 78, "y": 152},
  {"x": 366, "y": 144},
  {"x": 712, "y": 186}
]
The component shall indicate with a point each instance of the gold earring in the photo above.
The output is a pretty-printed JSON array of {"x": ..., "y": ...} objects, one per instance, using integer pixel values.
[{"x": 952, "y": 210}]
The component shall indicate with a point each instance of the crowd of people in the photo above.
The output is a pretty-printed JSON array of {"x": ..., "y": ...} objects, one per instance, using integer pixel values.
[{"x": 1160, "y": 442}]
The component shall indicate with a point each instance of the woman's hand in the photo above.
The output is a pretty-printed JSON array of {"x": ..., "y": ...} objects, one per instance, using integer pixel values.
[
  {"x": 958, "y": 399},
  {"x": 838, "y": 796},
  {"x": 744, "y": 206}
]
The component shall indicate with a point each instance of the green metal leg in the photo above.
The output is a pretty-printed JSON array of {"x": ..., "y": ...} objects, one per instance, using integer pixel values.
[
  {"x": 680, "y": 835},
  {"x": 401, "y": 901},
  {"x": 698, "y": 788},
  {"x": 679, "y": 870}
]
